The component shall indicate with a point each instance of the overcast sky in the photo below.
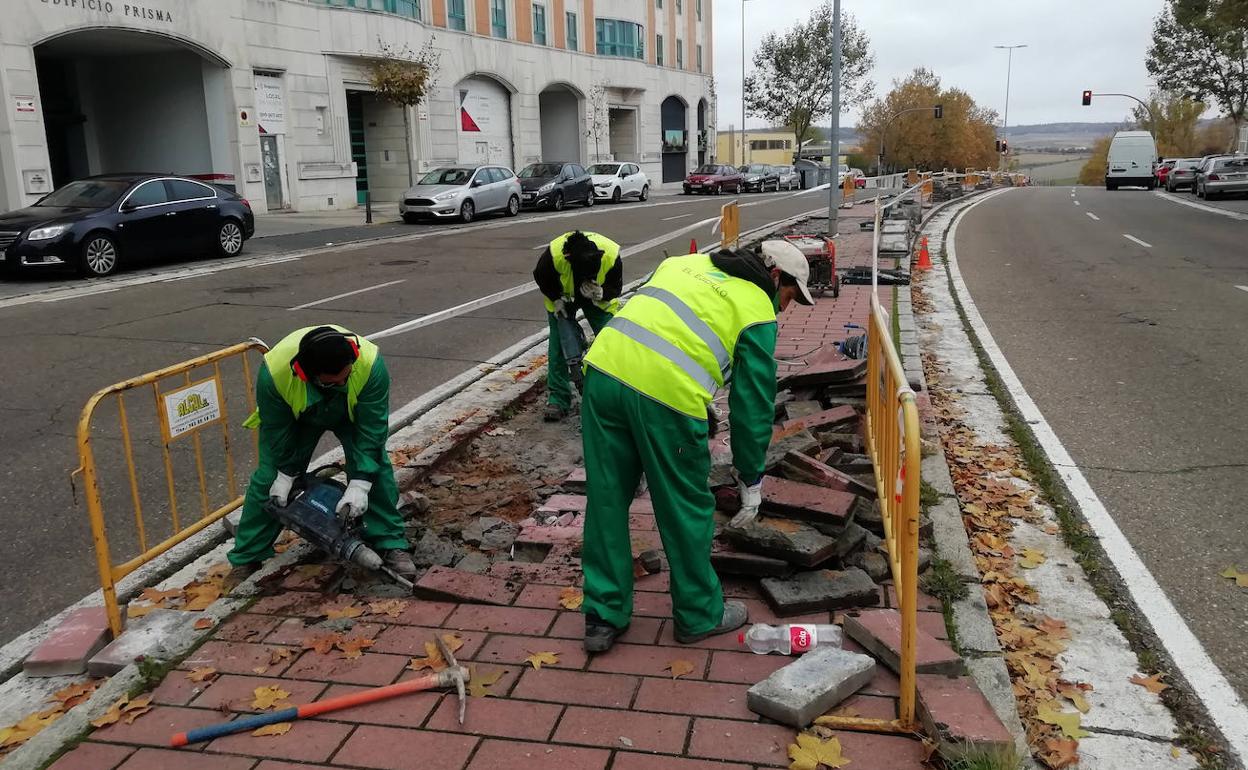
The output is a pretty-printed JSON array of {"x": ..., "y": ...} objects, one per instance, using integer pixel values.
[{"x": 1072, "y": 45}]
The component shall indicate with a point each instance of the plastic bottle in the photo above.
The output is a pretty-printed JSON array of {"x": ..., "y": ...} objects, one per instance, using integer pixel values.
[{"x": 789, "y": 639}]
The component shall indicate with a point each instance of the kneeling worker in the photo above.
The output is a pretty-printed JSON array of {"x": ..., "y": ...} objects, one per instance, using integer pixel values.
[
  {"x": 576, "y": 271},
  {"x": 650, "y": 379},
  {"x": 316, "y": 380}
]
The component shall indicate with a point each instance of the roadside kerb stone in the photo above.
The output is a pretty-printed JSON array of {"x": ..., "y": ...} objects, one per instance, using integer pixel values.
[
  {"x": 820, "y": 590},
  {"x": 958, "y": 717},
  {"x": 808, "y": 687},
  {"x": 975, "y": 631}
]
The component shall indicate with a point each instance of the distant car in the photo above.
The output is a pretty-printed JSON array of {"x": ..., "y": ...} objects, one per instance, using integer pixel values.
[
  {"x": 461, "y": 192},
  {"x": 789, "y": 179},
  {"x": 616, "y": 181},
  {"x": 1163, "y": 169},
  {"x": 713, "y": 179},
  {"x": 555, "y": 185},
  {"x": 1181, "y": 174},
  {"x": 1202, "y": 168},
  {"x": 1131, "y": 158},
  {"x": 98, "y": 223},
  {"x": 1225, "y": 176},
  {"x": 860, "y": 179},
  {"x": 759, "y": 177}
]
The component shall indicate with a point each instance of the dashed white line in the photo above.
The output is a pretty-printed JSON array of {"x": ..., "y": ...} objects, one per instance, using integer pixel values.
[
  {"x": 1076, "y": 203},
  {"x": 678, "y": 216},
  {"x": 1242, "y": 288},
  {"x": 1092, "y": 216},
  {"x": 1133, "y": 239},
  {"x": 347, "y": 294}
]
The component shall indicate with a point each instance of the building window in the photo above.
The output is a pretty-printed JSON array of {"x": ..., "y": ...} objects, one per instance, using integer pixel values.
[
  {"x": 620, "y": 38},
  {"x": 456, "y": 16},
  {"x": 680, "y": 54},
  {"x": 409, "y": 8},
  {"x": 572, "y": 31},
  {"x": 699, "y": 58},
  {"x": 699, "y": 7},
  {"x": 539, "y": 24},
  {"x": 498, "y": 18},
  {"x": 658, "y": 3},
  {"x": 678, "y": 8},
  {"x": 658, "y": 50}
]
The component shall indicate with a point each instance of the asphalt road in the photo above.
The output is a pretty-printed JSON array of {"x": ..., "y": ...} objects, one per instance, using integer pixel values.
[
  {"x": 1137, "y": 355},
  {"x": 64, "y": 339}
]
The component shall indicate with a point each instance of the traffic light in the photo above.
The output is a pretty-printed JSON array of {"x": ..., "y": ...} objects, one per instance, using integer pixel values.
[
  {"x": 939, "y": 111},
  {"x": 998, "y": 145},
  {"x": 1005, "y": 146},
  {"x": 1087, "y": 98}
]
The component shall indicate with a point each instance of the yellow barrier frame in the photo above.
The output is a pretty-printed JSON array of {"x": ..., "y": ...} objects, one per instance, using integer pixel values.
[{"x": 111, "y": 574}]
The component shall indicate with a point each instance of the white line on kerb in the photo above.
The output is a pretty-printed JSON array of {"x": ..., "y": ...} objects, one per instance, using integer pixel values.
[
  {"x": 347, "y": 294},
  {"x": 1211, "y": 209},
  {"x": 1207, "y": 682},
  {"x": 678, "y": 216},
  {"x": 1133, "y": 239},
  {"x": 1093, "y": 216}
]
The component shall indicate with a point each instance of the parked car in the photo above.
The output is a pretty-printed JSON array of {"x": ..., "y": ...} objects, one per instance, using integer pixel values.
[
  {"x": 97, "y": 223},
  {"x": 1163, "y": 170},
  {"x": 1201, "y": 168},
  {"x": 617, "y": 181},
  {"x": 1224, "y": 176},
  {"x": 1181, "y": 173},
  {"x": 1131, "y": 158},
  {"x": 713, "y": 179},
  {"x": 554, "y": 185},
  {"x": 461, "y": 192},
  {"x": 860, "y": 179},
  {"x": 789, "y": 178},
  {"x": 758, "y": 177}
]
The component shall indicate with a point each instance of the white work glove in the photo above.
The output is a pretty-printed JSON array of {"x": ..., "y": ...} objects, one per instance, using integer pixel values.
[
  {"x": 559, "y": 304},
  {"x": 751, "y": 498},
  {"x": 355, "y": 500},
  {"x": 279, "y": 492},
  {"x": 591, "y": 291}
]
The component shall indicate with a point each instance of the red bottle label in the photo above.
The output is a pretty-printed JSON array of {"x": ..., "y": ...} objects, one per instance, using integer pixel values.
[{"x": 801, "y": 638}]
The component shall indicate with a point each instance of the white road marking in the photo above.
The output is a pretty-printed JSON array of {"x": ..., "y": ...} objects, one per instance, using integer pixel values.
[
  {"x": 1132, "y": 238},
  {"x": 1207, "y": 682},
  {"x": 1243, "y": 217},
  {"x": 678, "y": 216},
  {"x": 1093, "y": 216},
  {"x": 1076, "y": 202},
  {"x": 1242, "y": 288},
  {"x": 346, "y": 294}
]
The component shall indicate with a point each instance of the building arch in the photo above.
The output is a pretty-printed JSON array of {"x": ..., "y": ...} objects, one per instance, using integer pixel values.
[
  {"x": 483, "y": 102},
  {"x": 561, "y": 114},
  {"x": 674, "y": 122}
]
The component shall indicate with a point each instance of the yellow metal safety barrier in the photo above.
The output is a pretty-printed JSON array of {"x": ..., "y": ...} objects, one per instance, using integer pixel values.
[{"x": 188, "y": 410}]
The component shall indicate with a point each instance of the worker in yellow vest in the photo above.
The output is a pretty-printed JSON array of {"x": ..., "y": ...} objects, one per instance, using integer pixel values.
[
  {"x": 650, "y": 378},
  {"x": 316, "y": 380},
  {"x": 577, "y": 271}
]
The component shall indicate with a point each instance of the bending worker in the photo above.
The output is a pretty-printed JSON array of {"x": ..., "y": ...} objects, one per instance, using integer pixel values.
[
  {"x": 316, "y": 380},
  {"x": 650, "y": 379},
  {"x": 576, "y": 271}
]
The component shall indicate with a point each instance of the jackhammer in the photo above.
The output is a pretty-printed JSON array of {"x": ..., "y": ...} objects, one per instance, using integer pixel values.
[{"x": 572, "y": 342}]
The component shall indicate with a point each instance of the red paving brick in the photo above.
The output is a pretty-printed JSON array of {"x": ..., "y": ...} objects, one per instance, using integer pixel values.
[
  {"x": 514, "y": 649},
  {"x": 458, "y": 585},
  {"x": 601, "y": 727},
  {"x": 293, "y": 632},
  {"x": 499, "y": 718},
  {"x": 236, "y": 658},
  {"x": 513, "y": 755},
  {"x": 177, "y": 690},
  {"x": 155, "y": 727},
  {"x": 507, "y": 620},
  {"x": 571, "y": 625},
  {"x": 648, "y": 660},
  {"x": 708, "y": 699},
  {"x": 246, "y": 628},
  {"x": 309, "y": 740},
  {"x": 726, "y": 641},
  {"x": 625, "y": 760},
  {"x": 870, "y": 706},
  {"x": 744, "y": 667},
  {"x": 541, "y": 596},
  {"x": 550, "y": 574},
  {"x": 296, "y": 603},
  {"x": 165, "y": 759},
  {"x": 579, "y": 687},
  {"x": 651, "y": 604},
  {"x": 92, "y": 756},
  {"x": 741, "y": 741},
  {"x": 868, "y": 751},
  {"x": 422, "y": 612},
  {"x": 410, "y": 640},
  {"x": 388, "y": 748},
  {"x": 269, "y": 764},
  {"x": 368, "y": 669},
  {"x": 236, "y": 693},
  {"x": 660, "y": 583}
]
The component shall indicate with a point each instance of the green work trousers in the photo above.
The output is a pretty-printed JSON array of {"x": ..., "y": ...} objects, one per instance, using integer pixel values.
[
  {"x": 625, "y": 434},
  {"x": 257, "y": 530},
  {"x": 558, "y": 387}
]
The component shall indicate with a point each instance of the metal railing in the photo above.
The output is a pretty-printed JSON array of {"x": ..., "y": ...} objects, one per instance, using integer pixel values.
[{"x": 185, "y": 409}]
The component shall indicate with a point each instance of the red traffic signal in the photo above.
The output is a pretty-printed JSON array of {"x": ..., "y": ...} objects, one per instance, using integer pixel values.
[{"x": 1087, "y": 98}]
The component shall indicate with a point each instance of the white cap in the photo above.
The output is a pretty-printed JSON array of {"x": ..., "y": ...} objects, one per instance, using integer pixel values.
[{"x": 789, "y": 259}]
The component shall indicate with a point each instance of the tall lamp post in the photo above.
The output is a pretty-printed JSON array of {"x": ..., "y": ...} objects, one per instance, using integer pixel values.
[
  {"x": 834, "y": 133},
  {"x": 1005, "y": 123},
  {"x": 744, "y": 138}
]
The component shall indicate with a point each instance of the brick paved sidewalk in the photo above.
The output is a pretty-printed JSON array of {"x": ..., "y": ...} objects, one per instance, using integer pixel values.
[{"x": 620, "y": 710}]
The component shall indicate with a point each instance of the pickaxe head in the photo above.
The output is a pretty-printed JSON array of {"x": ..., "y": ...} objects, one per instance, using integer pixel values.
[{"x": 454, "y": 675}]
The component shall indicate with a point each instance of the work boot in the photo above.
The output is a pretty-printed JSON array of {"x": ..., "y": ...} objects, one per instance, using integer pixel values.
[
  {"x": 735, "y": 616},
  {"x": 400, "y": 562},
  {"x": 555, "y": 413},
  {"x": 237, "y": 575},
  {"x": 599, "y": 634}
]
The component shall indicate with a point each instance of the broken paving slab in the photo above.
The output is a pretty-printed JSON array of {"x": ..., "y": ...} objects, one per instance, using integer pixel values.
[
  {"x": 806, "y": 502},
  {"x": 820, "y": 590},
  {"x": 792, "y": 541},
  {"x": 831, "y": 372},
  {"x": 845, "y": 418},
  {"x": 955, "y": 714},
  {"x": 879, "y": 632},
  {"x": 456, "y": 585},
  {"x": 143, "y": 638},
  {"x": 727, "y": 560},
  {"x": 490, "y": 533},
  {"x": 800, "y": 441},
  {"x": 809, "y": 470},
  {"x": 808, "y": 687}
]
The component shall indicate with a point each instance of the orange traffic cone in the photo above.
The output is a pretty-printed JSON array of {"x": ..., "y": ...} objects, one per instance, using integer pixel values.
[
  {"x": 693, "y": 245},
  {"x": 925, "y": 258}
]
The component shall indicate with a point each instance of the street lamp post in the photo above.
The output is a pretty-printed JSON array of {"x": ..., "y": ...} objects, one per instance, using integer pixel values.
[
  {"x": 744, "y": 138},
  {"x": 834, "y": 138},
  {"x": 1005, "y": 123}
]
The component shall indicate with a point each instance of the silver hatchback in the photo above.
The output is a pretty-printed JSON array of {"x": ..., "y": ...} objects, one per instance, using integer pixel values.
[
  {"x": 463, "y": 193},
  {"x": 1223, "y": 177}
]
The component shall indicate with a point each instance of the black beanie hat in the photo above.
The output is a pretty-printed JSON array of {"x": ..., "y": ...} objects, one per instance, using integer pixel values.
[{"x": 325, "y": 350}]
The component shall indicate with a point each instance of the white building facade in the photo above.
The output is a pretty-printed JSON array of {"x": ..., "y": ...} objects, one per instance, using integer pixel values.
[{"x": 272, "y": 97}]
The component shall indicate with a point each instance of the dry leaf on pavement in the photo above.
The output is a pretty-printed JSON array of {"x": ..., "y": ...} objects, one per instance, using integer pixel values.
[
  {"x": 270, "y": 697},
  {"x": 205, "y": 674},
  {"x": 261, "y": 670},
  {"x": 1067, "y": 722},
  {"x": 160, "y": 598},
  {"x": 278, "y": 654},
  {"x": 1060, "y": 752},
  {"x": 1233, "y": 573},
  {"x": 1074, "y": 692},
  {"x": 203, "y": 624},
  {"x": 136, "y": 708},
  {"x": 479, "y": 684},
  {"x": 200, "y": 595},
  {"x": 679, "y": 668},
  {"x": 810, "y": 752},
  {"x": 338, "y": 612},
  {"x": 539, "y": 658},
  {"x": 432, "y": 660},
  {"x": 135, "y": 611},
  {"x": 322, "y": 643},
  {"x": 391, "y": 607},
  {"x": 571, "y": 598},
  {"x": 1151, "y": 683},
  {"x": 354, "y": 647},
  {"x": 1031, "y": 558},
  {"x": 74, "y": 694},
  {"x": 17, "y": 734},
  {"x": 281, "y": 728},
  {"x": 113, "y": 714}
]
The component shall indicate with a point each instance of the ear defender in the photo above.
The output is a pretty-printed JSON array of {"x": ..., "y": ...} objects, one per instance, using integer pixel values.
[{"x": 298, "y": 370}]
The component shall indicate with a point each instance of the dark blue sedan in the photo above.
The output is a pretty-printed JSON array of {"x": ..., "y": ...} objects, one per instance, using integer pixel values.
[{"x": 99, "y": 223}]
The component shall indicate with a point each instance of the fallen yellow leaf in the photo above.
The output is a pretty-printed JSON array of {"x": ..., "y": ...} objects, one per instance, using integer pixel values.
[
  {"x": 29, "y": 727},
  {"x": 354, "y": 648},
  {"x": 679, "y": 668},
  {"x": 204, "y": 674},
  {"x": 392, "y": 608},
  {"x": 810, "y": 752},
  {"x": 339, "y": 613},
  {"x": 203, "y": 624},
  {"x": 571, "y": 598},
  {"x": 539, "y": 658},
  {"x": 113, "y": 714},
  {"x": 479, "y": 684},
  {"x": 200, "y": 595},
  {"x": 1060, "y": 753},
  {"x": 278, "y": 654},
  {"x": 1031, "y": 558},
  {"x": 270, "y": 697},
  {"x": 134, "y": 611},
  {"x": 1174, "y": 752},
  {"x": 1151, "y": 683},
  {"x": 260, "y": 670},
  {"x": 1067, "y": 722},
  {"x": 281, "y": 728},
  {"x": 74, "y": 694},
  {"x": 432, "y": 660},
  {"x": 322, "y": 643},
  {"x": 1233, "y": 573}
]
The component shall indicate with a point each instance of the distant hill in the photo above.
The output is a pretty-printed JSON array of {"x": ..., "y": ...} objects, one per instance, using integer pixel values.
[{"x": 1067, "y": 137}]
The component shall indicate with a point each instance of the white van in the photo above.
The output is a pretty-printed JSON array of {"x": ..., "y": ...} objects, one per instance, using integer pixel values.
[{"x": 1132, "y": 156}]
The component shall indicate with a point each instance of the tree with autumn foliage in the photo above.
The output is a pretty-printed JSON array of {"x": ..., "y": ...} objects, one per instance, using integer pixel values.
[{"x": 962, "y": 138}]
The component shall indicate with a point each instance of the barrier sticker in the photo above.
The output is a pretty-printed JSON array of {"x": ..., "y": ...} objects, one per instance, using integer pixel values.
[{"x": 190, "y": 407}]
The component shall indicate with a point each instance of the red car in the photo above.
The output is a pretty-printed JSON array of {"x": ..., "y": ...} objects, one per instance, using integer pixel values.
[
  {"x": 714, "y": 179},
  {"x": 1163, "y": 170}
]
